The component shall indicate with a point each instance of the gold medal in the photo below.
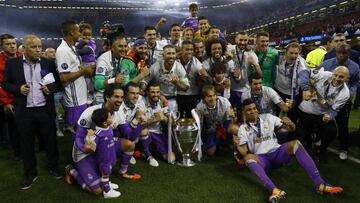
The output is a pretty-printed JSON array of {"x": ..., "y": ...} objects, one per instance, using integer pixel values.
[
  {"x": 322, "y": 101},
  {"x": 258, "y": 139}
]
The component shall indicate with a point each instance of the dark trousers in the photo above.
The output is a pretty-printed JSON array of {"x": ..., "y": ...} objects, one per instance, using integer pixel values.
[
  {"x": 342, "y": 121},
  {"x": 3, "y": 127},
  {"x": 32, "y": 121},
  {"x": 309, "y": 124},
  {"x": 357, "y": 98},
  {"x": 9, "y": 131},
  {"x": 186, "y": 103},
  {"x": 293, "y": 114}
]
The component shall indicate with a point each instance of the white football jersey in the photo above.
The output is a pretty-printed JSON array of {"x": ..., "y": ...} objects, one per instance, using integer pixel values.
[
  {"x": 129, "y": 113},
  {"x": 163, "y": 77},
  {"x": 192, "y": 69},
  {"x": 75, "y": 93},
  {"x": 86, "y": 122},
  {"x": 150, "y": 110},
  {"x": 267, "y": 141},
  {"x": 335, "y": 97},
  {"x": 268, "y": 98}
]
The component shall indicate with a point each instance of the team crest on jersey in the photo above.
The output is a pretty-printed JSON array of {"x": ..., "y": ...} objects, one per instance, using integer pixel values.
[
  {"x": 64, "y": 66},
  {"x": 326, "y": 83},
  {"x": 100, "y": 70},
  {"x": 266, "y": 125},
  {"x": 83, "y": 122},
  {"x": 90, "y": 177}
]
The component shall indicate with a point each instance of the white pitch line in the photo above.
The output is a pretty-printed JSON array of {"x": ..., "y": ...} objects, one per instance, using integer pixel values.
[{"x": 351, "y": 158}]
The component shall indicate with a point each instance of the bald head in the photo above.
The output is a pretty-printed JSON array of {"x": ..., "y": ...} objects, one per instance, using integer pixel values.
[
  {"x": 29, "y": 38},
  {"x": 50, "y": 53},
  {"x": 340, "y": 75},
  {"x": 32, "y": 48}
]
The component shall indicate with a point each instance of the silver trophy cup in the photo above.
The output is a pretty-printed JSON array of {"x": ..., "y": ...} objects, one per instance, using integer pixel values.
[{"x": 185, "y": 134}]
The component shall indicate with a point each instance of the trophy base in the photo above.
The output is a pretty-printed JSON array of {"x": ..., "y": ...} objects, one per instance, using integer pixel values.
[{"x": 186, "y": 163}]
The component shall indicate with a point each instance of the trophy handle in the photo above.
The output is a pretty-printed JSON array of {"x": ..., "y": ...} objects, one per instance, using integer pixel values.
[
  {"x": 176, "y": 115},
  {"x": 198, "y": 142},
  {"x": 177, "y": 142}
]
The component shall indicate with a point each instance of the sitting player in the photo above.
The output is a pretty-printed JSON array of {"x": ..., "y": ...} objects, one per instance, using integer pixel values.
[
  {"x": 216, "y": 114},
  {"x": 259, "y": 146}
]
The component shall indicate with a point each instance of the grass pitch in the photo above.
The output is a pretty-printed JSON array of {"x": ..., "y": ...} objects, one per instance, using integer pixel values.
[{"x": 214, "y": 179}]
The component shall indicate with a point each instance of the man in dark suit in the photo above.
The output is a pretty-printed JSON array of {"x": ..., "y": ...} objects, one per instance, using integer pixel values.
[{"x": 33, "y": 80}]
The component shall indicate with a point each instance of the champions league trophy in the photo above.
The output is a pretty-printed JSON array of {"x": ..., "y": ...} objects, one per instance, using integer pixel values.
[{"x": 187, "y": 136}]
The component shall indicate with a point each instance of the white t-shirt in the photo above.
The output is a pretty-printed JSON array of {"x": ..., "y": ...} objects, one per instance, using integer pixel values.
[
  {"x": 149, "y": 113},
  {"x": 192, "y": 69},
  {"x": 287, "y": 78},
  {"x": 68, "y": 61},
  {"x": 229, "y": 65},
  {"x": 163, "y": 77},
  {"x": 216, "y": 115},
  {"x": 241, "y": 62},
  {"x": 156, "y": 52},
  {"x": 336, "y": 97},
  {"x": 267, "y": 98},
  {"x": 86, "y": 122},
  {"x": 267, "y": 142},
  {"x": 128, "y": 113}
]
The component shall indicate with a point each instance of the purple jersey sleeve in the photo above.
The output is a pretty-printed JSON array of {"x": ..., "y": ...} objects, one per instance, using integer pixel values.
[{"x": 80, "y": 136}]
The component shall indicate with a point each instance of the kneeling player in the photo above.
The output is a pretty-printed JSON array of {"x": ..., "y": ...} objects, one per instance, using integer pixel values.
[
  {"x": 155, "y": 114},
  {"x": 259, "y": 146},
  {"x": 93, "y": 168}
]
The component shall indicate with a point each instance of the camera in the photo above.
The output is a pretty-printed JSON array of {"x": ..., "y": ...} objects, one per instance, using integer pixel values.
[{"x": 111, "y": 31}]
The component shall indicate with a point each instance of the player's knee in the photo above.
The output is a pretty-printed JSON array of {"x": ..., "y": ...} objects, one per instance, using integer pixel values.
[
  {"x": 127, "y": 145},
  {"x": 293, "y": 146},
  {"x": 250, "y": 158}
]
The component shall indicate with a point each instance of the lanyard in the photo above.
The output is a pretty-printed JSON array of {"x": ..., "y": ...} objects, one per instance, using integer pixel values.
[
  {"x": 240, "y": 61},
  {"x": 294, "y": 76},
  {"x": 187, "y": 67},
  {"x": 334, "y": 93},
  {"x": 116, "y": 65},
  {"x": 152, "y": 54},
  {"x": 257, "y": 128}
]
